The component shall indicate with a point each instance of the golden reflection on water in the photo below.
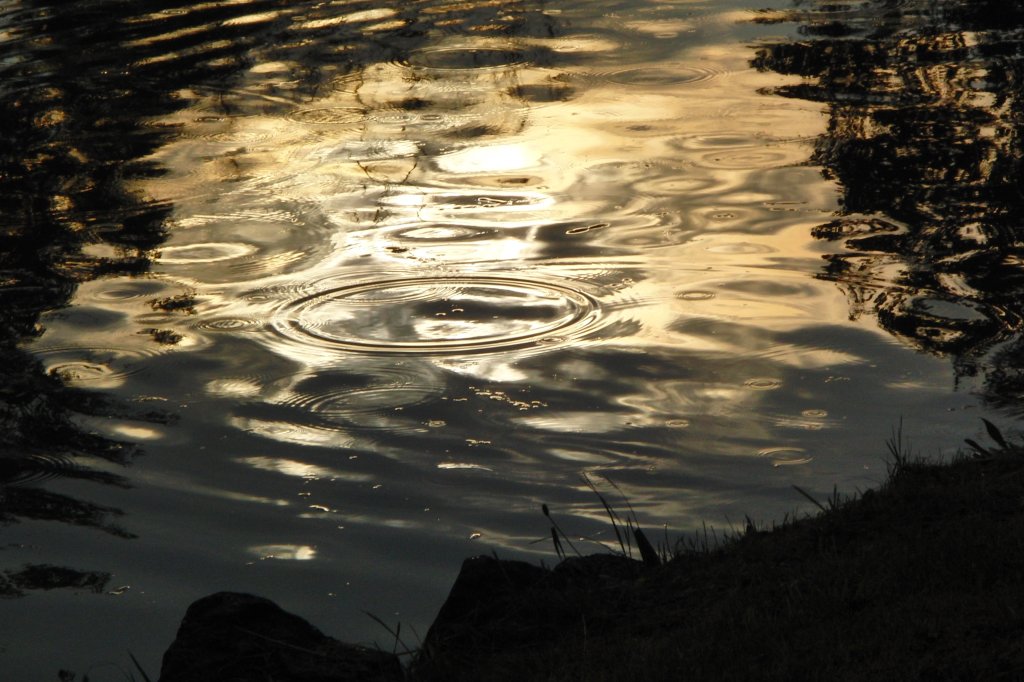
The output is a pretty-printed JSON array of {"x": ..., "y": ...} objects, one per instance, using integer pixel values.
[
  {"x": 502, "y": 258},
  {"x": 290, "y": 467},
  {"x": 477, "y": 204},
  {"x": 284, "y": 552}
]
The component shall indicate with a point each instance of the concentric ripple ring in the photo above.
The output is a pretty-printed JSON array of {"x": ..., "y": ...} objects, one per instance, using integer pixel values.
[{"x": 437, "y": 315}]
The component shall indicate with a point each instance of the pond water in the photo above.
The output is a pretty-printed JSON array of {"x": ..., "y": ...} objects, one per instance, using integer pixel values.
[{"x": 314, "y": 300}]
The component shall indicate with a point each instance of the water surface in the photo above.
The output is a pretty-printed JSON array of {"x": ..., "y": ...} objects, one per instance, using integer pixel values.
[{"x": 315, "y": 300}]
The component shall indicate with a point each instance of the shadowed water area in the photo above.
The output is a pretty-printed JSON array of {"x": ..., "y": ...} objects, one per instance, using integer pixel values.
[{"x": 313, "y": 300}]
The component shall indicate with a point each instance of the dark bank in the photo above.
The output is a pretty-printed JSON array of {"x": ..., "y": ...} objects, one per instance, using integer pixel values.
[{"x": 918, "y": 580}]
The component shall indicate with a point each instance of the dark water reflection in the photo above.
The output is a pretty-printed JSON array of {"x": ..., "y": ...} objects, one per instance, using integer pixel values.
[
  {"x": 65, "y": 217},
  {"x": 924, "y": 139},
  {"x": 367, "y": 283}
]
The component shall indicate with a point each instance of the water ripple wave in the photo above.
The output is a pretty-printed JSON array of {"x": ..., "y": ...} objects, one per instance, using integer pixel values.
[{"x": 437, "y": 315}]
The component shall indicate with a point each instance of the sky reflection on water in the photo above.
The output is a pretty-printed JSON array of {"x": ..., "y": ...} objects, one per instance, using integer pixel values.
[{"x": 409, "y": 272}]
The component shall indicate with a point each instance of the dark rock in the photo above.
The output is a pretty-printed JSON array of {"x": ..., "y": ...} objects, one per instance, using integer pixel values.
[
  {"x": 484, "y": 587},
  {"x": 596, "y": 571},
  {"x": 232, "y": 637},
  {"x": 497, "y": 605}
]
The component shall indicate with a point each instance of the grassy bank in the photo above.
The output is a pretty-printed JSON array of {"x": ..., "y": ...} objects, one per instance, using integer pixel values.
[{"x": 920, "y": 579}]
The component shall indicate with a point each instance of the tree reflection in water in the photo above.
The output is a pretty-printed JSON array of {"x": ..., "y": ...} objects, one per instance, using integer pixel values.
[
  {"x": 924, "y": 139},
  {"x": 78, "y": 85},
  {"x": 65, "y": 217}
]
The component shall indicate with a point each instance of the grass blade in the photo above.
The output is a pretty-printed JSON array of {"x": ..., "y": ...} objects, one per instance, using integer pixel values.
[
  {"x": 810, "y": 497},
  {"x": 138, "y": 667},
  {"x": 896, "y": 447},
  {"x": 559, "y": 552},
  {"x": 647, "y": 552},
  {"x": 555, "y": 531},
  {"x": 995, "y": 434},
  {"x": 624, "y": 499},
  {"x": 977, "y": 448},
  {"x": 393, "y": 633},
  {"x": 611, "y": 513}
]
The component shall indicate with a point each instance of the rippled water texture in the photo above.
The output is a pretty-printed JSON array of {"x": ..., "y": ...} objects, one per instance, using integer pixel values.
[{"x": 314, "y": 300}]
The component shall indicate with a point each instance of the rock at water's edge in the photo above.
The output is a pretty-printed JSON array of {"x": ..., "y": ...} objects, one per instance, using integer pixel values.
[
  {"x": 512, "y": 605},
  {"x": 242, "y": 638}
]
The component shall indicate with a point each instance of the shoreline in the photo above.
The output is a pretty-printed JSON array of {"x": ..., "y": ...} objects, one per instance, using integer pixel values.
[{"x": 921, "y": 578}]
